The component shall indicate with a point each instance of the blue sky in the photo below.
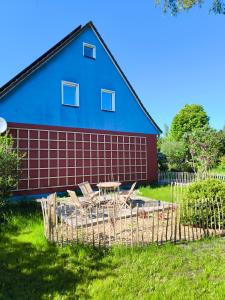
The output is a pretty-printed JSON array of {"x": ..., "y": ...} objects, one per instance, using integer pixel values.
[{"x": 170, "y": 61}]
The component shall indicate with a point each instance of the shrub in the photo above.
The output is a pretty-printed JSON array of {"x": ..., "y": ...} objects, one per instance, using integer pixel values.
[
  {"x": 204, "y": 203},
  {"x": 10, "y": 160},
  {"x": 222, "y": 162}
]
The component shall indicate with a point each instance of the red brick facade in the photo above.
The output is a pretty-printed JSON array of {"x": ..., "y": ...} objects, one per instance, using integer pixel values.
[{"x": 58, "y": 158}]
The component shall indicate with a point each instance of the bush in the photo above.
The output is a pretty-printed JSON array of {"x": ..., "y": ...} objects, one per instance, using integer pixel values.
[
  {"x": 222, "y": 162},
  {"x": 205, "y": 204},
  {"x": 10, "y": 160},
  {"x": 162, "y": 162}
]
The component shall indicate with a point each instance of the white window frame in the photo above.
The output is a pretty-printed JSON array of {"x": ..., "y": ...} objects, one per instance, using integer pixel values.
[
  {"x": 113, "y": 93},
  {"x": 92, "y": 47},
  {"x": 71, "y": 84}
]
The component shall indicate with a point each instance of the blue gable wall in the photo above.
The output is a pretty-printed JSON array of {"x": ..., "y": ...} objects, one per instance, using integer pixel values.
[{"x": 37, "y": 100}]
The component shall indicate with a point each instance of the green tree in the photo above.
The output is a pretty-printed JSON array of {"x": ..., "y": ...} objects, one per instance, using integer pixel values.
[
  {"x": 188, "y": 119},
  {"x": 176, "y": 6},
  {"x": 175, "y": 153},
  {"x": 10, "y": 160},
  {"x": 204, "y": 147},
  {"x": 221, "y": 134},
  {"x": 223, "y": 129}
]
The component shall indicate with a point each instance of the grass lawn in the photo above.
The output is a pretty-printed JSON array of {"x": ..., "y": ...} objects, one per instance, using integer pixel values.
[
  {"x": 218, "y": 170},
  {"x": 156, "y": 192},
  {"x": 31, "y": 268}
]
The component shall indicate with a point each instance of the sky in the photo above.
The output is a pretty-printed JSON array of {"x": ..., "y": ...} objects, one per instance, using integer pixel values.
[{"x": 170, "y": 61}]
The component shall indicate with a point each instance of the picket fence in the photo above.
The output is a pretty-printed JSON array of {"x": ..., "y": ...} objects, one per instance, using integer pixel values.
[
  {"x": 185, "y": 177},
  {"x": 149, "y": 222}
]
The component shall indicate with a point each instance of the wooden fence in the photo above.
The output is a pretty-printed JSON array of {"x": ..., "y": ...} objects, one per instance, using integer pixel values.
[
  {"x": 153, "y": 222},
  {"x": 185, "y": 177}
]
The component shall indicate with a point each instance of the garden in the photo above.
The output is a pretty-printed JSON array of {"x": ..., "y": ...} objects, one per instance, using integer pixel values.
[{"x": 32, "y": 267}]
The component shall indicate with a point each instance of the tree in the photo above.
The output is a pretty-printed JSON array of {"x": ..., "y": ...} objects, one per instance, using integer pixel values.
[
  {"x": 10, "y": 160},
  {"x": 188, "y": 119},
  {"x": 176, "y": 6},
  {"x": 175, "y": 153},
  {"x": 204, "y": 146},
  {"x": 223, "y": 129},
  {"x": 221, "y": 134}
]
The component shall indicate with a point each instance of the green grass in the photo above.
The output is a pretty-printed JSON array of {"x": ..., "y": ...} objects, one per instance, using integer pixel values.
[
  {"x": 156, "y": 192},
  {"x": 218, "y": 170},
  {"x": 31, "y": 268}
]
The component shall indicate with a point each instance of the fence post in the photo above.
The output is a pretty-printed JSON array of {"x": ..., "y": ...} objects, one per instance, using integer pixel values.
[
  {"x": 131, "y": 220},
  {"x": 153, "y": 223}
]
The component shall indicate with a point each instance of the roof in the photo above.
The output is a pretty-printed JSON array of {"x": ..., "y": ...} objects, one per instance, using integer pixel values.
[{"x": 16, "y": 80}]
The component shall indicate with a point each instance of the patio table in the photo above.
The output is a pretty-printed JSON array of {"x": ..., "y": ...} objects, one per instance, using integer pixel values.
[{"x": 109, "y": 186}]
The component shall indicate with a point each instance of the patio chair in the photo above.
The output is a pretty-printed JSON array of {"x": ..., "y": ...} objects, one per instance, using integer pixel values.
[
  {"x": 81, "y": 206},
  {"x": 124, "y": 197},
  {"x": 88, "y": 192}
]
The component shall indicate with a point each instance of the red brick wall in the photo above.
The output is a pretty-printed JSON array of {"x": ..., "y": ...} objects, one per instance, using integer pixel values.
[{"x": 59, "y": 158}]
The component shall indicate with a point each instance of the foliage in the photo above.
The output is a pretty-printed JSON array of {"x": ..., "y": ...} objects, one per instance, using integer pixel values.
[
  {"x": 176, "y": 6},
  {"x": 10, "y": 161},
  {"x": 222, "y": 162},
  {"x": 218, "y": 170},
  {"x": 221, "y": 134},
  {"x": 188, "y": 119},
  {"x": 205, "y": 200},
  {"x": 208, "y": 188},
  {"x": 204, "y": 147},
  {"x": 175, "y": 153},
  {"x": 162, "y": 161},
  {"x": 33, "y": 269},
  {"x": 174, "y": 147}
]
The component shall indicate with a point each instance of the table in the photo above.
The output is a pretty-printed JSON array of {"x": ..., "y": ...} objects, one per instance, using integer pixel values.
[{"x": 105, "y": 187}]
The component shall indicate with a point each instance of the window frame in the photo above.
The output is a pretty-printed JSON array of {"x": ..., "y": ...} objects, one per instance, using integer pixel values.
[
  {"x": 113, "y": 93},
  {"x": 92, "y": 47},
  {"x": 71, "y": 84}
]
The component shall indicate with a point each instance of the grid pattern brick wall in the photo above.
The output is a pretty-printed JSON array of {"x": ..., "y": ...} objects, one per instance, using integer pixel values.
[{"x": 63, "y": 158}]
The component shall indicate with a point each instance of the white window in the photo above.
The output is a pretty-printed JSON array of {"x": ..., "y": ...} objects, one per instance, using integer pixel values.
[
  {"x": 107, "y": 100},
  {"x": 70, "y": 93},
  {"x": 89, "y": 51}
]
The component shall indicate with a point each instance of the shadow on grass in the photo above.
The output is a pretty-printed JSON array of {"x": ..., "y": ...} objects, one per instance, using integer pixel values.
[{"x": 46, "y": 271}]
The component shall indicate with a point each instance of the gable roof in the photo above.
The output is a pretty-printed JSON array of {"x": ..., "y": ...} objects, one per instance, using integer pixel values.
[{"x": 11, "y": 84}]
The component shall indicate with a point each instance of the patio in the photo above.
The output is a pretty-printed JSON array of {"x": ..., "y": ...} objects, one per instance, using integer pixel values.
[{"x": 141, "y": 221}]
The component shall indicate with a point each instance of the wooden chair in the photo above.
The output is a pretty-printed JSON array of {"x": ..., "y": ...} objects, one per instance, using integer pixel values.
[
  {"x": 81, "y": 206},
  {"x": 124, "y": 197},
  {"x": 88, "y": 192}
]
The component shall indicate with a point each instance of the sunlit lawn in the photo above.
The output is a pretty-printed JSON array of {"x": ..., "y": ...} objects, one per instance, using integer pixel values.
[
  {"x": 156, "y": 192},
  {"x": 30, "y": 268},
  {"x": 218, "y": 170}
]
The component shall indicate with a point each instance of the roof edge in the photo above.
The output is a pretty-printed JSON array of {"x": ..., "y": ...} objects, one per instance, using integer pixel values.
[
  {"x": 8, "y": 86},
  {"x": 124, "y": 77},
  {"x": 12, "y": 83}
]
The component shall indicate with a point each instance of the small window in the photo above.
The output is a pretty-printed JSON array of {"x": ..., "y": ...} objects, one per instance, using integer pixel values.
[
  {"x": 70, "y": 93},
  {"x": 108, "y": 100},
  {"x": 89, "y": 50}
]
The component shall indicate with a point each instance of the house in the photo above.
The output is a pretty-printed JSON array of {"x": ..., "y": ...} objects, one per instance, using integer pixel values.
[{"x": 77, "y": 118}]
